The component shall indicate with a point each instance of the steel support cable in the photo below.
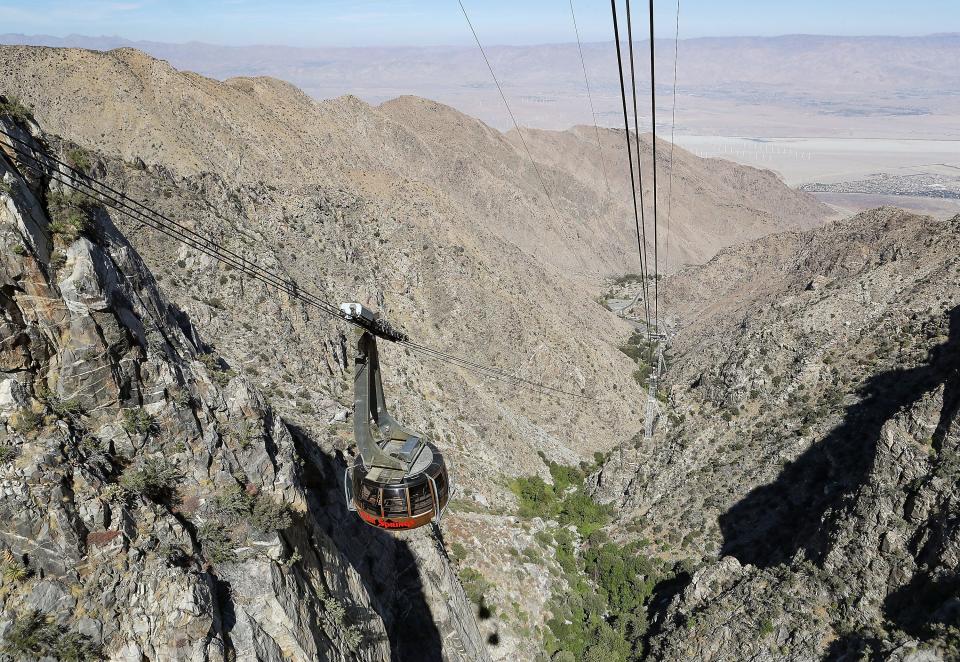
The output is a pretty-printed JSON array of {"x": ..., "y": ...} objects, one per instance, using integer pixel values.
[
  {"x": 626, "y": 128},
  {"x": 523, "y": 141},
  {"x": 493, "y": 373},
  {"x": 636, "y": 131},
  {"x": 586, "y": 82},
  {"x": 204, "y": 247},
  {"x": 673, "y": 126},
  {"x": 296, "y": 292},
  {"x": 653, "y": 125},
  {"x": 137, "y": 207},
  {"x": 80, "y": 183}
]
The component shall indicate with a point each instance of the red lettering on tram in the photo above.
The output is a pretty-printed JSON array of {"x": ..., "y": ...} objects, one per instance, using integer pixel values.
[{"x": 384, "y": 524}]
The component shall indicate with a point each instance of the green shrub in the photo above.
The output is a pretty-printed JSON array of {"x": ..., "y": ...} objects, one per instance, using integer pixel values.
[
  {"x": 7, "y": 453},
  {"x": 27, "y": 421},
  {"x": 138, "y": 421},
  {"x": 215, "y": 543},
  {"x": 235, "y": 504},
  {"x": 475, "y": 586},
  {"x": 605, "y": 619},
  {"x": 642, "y": 375},
  {"x": 58, "y": 259},
  {"x": 458, "y": 552},
  {"x": 12, "y": 107},
  {"x": 7, "y": 188},
  {"x": 12, "y": 569},
  {"x": 79, "y": 158},
  {"x": 218, "y": 372},
  {"x": 70, "y": 214},
  {"x": 65, "y": 409},
  {"x": 557, "y": 501},
  {"x": 155, "y": 479},
  {"x": 766, "y": 627},
  {"x": 632, "y": 351},
  {"x": 268, "y": 515},
  {"x": 628, "y": 278},
  {"x": 33, "y": 635}
]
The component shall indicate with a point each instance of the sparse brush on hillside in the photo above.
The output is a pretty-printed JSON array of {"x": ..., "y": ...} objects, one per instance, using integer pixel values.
[
  {"x": 603, "y": 614},
  {"x": 79, "y": 158},
  {"x": 34, "y": 635},
  {"x": 154, "y": 478},
  {"x": 11, "y": 107},
  {"x": 70, "y": 214},
  {"x": 565, "y": 500}
]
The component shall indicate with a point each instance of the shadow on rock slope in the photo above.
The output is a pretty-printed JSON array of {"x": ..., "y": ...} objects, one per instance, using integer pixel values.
[
  {"x": 774, "y": 521},
  {"x": 386, "y": 563}
]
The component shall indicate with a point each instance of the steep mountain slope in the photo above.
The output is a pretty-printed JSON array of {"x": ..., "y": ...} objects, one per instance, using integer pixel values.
[
  {"x": 814, "y": 422},
  {"x": 154, "y": 505},
  {"x": 799, "y": 84},
  {"x": 262, "y": 130},
  {"x": 358, "y": 203}
]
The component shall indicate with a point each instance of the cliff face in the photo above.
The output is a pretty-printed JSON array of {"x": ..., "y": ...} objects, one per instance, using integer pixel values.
[
  {"x": 438, "y": 222},
  {"x": 814, "y": 424},
  {"x": 153, "y": 505}
]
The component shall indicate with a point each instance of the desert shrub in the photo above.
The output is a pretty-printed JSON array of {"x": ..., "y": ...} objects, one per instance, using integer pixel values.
[
  {"x": 604, "y": 619},
  {"x": 12, "y": 107},
  {"x": 215, "y": 543},
  {"x": 583, "y": 512},
  {"x": 632, "y": 351},
  {"x": 65, "y": 409},
  {"x": 27, "y": 421},
  {"x": 154, "y": 478},
  {"x": 70, "y": 214},
  {"x": 33, "y": 635},
  {"x": 7, "y": 453},
  {"x": 628, "y": 278},
  {"x": 565, "y": 554},
  {"x": 558, "y": 501},
  {"x": 218, "y": 371},
  {"x": 235, "y": 504},
  {"x": 476, "y": 587},
  {"x": 642, "y": 375},
  {"x": 268, "y": 515},
  {"x": 12, "y": 569},
  {"x": 79, "y": 158},
  {"x": 458, "y": 552},
  {"x": 138, "y": 421}
]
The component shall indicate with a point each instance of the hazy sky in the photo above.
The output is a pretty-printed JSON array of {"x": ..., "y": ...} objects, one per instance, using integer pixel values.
[{"x": 438, "y": 22}]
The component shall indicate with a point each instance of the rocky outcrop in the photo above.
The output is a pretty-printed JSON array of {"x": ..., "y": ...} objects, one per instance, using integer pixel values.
[
  {"x": 153, "y": 504},
  {"x": 816, "y": 432}
]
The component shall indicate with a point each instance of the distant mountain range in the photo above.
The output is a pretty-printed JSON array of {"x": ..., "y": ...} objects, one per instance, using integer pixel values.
[{"x": 755, "y": 86}]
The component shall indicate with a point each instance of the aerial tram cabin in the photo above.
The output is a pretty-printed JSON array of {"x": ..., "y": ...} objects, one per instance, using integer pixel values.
[{"x": 397, "y": 480}]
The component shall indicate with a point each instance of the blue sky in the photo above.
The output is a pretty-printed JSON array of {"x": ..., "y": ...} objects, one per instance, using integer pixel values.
[{"x": 439, "y": 22}]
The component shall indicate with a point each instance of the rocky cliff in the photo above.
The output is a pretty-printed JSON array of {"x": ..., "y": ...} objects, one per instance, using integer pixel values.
[
  {"x": 440, "y": 223},
  {"x": 154, "y": 506},
  {"x": 813, "y": 422}
]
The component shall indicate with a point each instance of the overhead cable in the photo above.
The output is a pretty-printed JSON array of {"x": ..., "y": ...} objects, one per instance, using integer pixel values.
[{"x": 80, "y": 182}]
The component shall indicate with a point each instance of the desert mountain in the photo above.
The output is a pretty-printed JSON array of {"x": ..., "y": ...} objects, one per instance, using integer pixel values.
[
  {"x": 263, "y": 130},
  {"x": 438, "y": 221},
  {"x": 757, "y": 86},
  {"x": 813, "y": 425}
]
